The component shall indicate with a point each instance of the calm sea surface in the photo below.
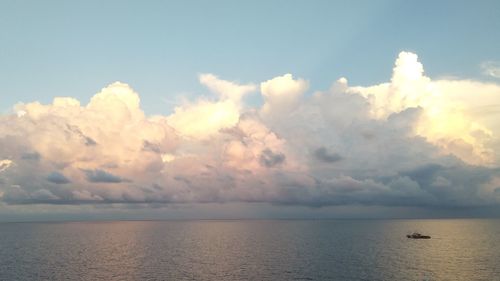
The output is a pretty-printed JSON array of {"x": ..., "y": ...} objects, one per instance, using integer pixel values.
[{"x": 251, "y": 250}]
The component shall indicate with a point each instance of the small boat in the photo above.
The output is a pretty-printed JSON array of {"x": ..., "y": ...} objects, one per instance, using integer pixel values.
[{"x": 416, "y": 235}]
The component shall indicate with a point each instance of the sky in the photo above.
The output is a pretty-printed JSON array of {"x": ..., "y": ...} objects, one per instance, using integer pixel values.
[{"x": 249, "y": 109}]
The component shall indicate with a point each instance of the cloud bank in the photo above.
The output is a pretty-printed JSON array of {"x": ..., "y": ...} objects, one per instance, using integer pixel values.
[{"x": 412, "y": 141}]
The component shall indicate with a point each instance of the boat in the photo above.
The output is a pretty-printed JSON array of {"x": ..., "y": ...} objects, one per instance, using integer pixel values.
[{"x": 416, "y": 235}]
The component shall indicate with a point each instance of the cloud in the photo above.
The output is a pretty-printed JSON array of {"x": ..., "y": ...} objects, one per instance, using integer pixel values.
[
  {"x": 225, "y": 89},
  {"x": 43, "y": 195},
  {"x": 30, "y": 156},
  {"x": 101, "y": 176},
  {"x": 152, "y": 147},
  {"x": 5, "y": 164},
  {"x": 491, "y": 68},
  {"x": 204, "y": 118},
  {"x": 57, "y": 178},
  {"x": 326, "y": 156},
  {"x": 411, "y": 141},
  {"x": 270, "y": 159},
  {"x": 282, "y": 94},
  {"x": 452, "y": 110}
]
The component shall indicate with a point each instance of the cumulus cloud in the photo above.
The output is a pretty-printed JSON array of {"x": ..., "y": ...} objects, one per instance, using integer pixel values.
[
  {"x": 453, "y": 111},
  {"x": 204, "y": 118},
  {"x": 282, "y": 94},
  {"x": 412, "y": 141},
  {"x": 226, "y": 89}
]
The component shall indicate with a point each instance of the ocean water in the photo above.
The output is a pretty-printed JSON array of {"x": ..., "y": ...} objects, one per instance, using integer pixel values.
[{"x": 251, "y": 250}]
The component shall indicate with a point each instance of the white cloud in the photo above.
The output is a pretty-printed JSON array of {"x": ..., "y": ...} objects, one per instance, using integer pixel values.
[
  {"x": 410, "y": 141},
  {"x": 204, "y": 118},
  {"x": 452, "y": 110},
  {"x": 282, "y": 94},
  {"x": 226, "y": 89}
]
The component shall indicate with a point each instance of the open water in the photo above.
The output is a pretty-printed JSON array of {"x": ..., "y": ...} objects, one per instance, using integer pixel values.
[{"x": 251, "y": 250}]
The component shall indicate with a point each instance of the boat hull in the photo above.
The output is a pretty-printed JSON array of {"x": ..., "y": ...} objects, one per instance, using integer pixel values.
[{"x": 418, "y": 237}]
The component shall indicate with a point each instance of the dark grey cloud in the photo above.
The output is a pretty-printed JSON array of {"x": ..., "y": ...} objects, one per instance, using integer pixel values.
[
  {"x": 323, "y": 155},
  {"x": 424, "y": 174},
  {"x": 101, "y": 176},
  {"x": 428, "y": 186},
  {"x": 269, "y": 159},
  {"x": 57, "y": 178}
]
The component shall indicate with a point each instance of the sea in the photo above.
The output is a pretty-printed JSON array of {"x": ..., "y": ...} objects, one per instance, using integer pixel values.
[{"x": 460, "y": 249}]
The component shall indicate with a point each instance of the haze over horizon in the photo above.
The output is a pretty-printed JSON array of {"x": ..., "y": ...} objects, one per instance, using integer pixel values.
[{"x": 294, "y": 110}]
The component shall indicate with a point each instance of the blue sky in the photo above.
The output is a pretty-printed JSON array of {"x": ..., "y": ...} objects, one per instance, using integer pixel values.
[
  {"x": 74, "y": 48},
  {"x": 229, "y": 109}
]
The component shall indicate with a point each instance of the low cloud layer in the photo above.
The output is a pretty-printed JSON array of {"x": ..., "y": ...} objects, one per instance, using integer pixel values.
[{"x": 412, "y": 141}]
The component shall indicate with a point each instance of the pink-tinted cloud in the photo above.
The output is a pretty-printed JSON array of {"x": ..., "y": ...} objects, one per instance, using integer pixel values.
[{"x": 410, "y": 141}]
